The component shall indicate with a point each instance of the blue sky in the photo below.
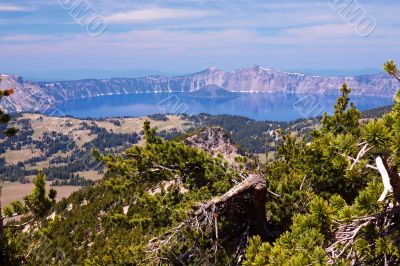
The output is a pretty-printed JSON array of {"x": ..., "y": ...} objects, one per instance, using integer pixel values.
[{"x": 185, "y": 36}]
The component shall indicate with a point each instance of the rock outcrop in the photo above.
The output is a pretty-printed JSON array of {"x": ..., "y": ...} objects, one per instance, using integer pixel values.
[{"x": 215, "y": 141}]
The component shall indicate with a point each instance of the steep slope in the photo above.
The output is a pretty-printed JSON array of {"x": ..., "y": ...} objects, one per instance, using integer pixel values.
[
  {"x": 247, "y": 80},
  {"x": 254, "y": 79},
  {"x": 27, "y": 96},
  {"x": 318, "y": 203},
  {"x": 123, "y": 220}
]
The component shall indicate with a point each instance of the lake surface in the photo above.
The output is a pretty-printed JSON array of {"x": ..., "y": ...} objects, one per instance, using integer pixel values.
[{"x": 259, "y": 106}]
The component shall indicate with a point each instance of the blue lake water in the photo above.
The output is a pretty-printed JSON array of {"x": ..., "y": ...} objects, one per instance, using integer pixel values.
[{"x": 258, "y": 106}]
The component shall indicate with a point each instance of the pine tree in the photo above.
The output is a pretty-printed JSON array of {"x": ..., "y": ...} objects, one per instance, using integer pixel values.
[
  {"x": 391, "y": 68},
  {"x": 345, "y": 119},
  {"x": 347, "y": 226},
  {"x": 5, "y": 118},
  {"x": 6, "y": 254},
  {"x": 36, "y": 206},
  {"x": 39, "y": 203},
  {"x": 150, "y": 134}
]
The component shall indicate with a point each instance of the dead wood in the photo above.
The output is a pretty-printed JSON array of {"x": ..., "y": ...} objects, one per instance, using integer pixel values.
[
  {"x": 242, "y": 208},
  {"x": 346, "y": 233},
  {"x": 393, "y": 176}
]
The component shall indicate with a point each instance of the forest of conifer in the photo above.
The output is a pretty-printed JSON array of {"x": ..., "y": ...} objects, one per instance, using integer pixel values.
[{"x": 327, "y": 199}]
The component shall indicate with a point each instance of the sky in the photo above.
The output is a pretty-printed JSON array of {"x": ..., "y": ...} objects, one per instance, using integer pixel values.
[{"x": 191, "y": 35}]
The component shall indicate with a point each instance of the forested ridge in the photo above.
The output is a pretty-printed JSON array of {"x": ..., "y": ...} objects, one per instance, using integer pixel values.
[
  {"x": 61, "y": 156},
  {"x": 328, "y": 197}
]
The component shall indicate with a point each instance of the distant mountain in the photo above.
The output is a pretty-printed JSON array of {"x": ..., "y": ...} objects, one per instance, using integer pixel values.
[
  {"x": 28, "y": 96},
  {"x": 339, "y": 72},
  {"x": 62, "y": 75},
  {"x": 37, "y": 96},
  {"x": 213, "y": 91}
]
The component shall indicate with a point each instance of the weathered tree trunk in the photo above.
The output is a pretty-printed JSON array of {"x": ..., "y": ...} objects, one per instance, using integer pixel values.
[
  {"x": 242, "y": 210},
  {"x": 244, "y": 202},
  {"x": 393, "y": 176}
]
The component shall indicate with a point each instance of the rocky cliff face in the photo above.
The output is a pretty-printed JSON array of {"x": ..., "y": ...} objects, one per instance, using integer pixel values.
[
  {"x": 27, "y": 96},
  {"x": 255, "y": 79},
  {"x": 215, "y": 141}
]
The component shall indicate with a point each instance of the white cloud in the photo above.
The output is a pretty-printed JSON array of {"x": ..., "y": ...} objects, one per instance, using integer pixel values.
[
  {"x": 322, "y": 31},
  {"x": 12, "y": 8},
  {"x": 161, "y": 49},
  {"x": 32, "y": 38},
  {"x": 155, "y": 14}
]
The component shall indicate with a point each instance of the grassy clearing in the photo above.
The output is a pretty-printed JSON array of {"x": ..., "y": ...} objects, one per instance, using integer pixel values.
[
  {"x": 82, "y": 136},
  {"x": 14, "y": 157},
  {"x": 41, "y": 124},
  {"x": 71, "y": 126},
  {"x": 262, "y": 157},
  {"x": 46, "y": 163},
  {"x": 74, "y": 128},
  {"x": 91, "y": 175},
  {"x": 17, "y": 191},
  {"x": 129, "y": 125}
]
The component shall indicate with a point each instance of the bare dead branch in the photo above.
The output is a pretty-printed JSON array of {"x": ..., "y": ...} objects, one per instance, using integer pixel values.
[
  {"x": 360, "y": 155},
  {"x": 302, "y": 183}
]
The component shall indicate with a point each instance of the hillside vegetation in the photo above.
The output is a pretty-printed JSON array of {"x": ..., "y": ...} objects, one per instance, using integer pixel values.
[
  {"x": 61, "y": 146},
  {"x": 327, "y": 198}
]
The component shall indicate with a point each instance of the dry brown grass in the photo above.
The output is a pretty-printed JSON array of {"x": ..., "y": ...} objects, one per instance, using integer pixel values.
[
  {"x": 44, "y": 164},
  {"x": 42, "y": 123},
  {"x": 91, "y": 175},
  {"x": 16, "y": 191},
  {"x": 14, "y": 157},
  {"x": 71, "y": 126},
  {"x": 262, "y": 157},
  {"x": 82, "y": 136},
  {"x": 129, "y": 125}
]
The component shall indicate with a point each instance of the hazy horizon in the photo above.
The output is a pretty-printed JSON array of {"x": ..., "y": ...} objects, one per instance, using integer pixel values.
[
  {"x": 184, "y": 37},
  {"x": 77, "y": 74}
]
